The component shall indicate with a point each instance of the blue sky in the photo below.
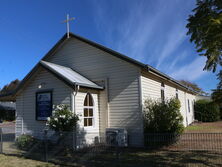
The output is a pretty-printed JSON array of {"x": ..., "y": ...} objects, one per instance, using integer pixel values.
[{"x": 152, "y": 32}]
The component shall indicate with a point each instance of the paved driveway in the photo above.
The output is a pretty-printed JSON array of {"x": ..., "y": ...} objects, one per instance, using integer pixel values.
[{"x": 8, "y": 130}]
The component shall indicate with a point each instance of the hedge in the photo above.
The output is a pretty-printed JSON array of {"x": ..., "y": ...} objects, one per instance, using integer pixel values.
[{"x": 206, "y": 111}]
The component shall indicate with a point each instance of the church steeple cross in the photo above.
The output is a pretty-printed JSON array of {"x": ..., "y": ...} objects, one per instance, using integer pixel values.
[{"x": 67, "y": 23}]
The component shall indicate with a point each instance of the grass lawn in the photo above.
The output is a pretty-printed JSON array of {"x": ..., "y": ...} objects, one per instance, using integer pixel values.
[
  {"x": 127, "y": 158},
  {"x": 13, "y": 161},
  {"x": 164, "y": 158},
  {"x": 205, "y": 127},
  {"x": 168, "y": 157}
]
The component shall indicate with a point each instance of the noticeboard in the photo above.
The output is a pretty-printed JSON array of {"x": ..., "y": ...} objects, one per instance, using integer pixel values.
[{"x": 43, "y": 105}]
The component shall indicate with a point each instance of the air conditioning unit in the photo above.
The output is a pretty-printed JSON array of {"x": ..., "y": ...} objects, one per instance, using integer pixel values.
[{"x": 116, "y": 137}]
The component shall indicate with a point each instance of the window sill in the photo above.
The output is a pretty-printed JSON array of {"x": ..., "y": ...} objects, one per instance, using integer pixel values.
[{"x": 89, "y": 127}]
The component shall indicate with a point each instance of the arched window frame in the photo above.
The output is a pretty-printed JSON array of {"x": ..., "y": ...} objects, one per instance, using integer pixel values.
[{"x": 88, "y": 117}]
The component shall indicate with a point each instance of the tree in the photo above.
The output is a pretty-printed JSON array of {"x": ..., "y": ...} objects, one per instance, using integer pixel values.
[
  {"x": 205, "y": 28},
  {"x": 193, "y": 87},
  {"x": 217, "y": 93},
  {"x": 10, "y": 87}
]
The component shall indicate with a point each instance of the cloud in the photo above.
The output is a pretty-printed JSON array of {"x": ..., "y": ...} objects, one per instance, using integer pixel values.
[
  {"x": 149, "y": 32},
  {"x": 177, "y": 59},
  {"x": 135, "y": 31},
  {"x": 192, "y": 71},
  {"x": 174, "y": 38}
]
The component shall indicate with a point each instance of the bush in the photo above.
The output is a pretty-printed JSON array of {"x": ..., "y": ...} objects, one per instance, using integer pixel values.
[
  {"x": 24, "y": 142},
  {"x": 206, "y": 111},
  {"x": 163, "y": 117},
  {"x": 63, "y": 119}
]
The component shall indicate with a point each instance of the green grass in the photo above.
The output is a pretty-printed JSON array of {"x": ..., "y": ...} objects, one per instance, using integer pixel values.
[
  {"x": 127, "y": 158},
  {"x": 198, "y": 127},
  {"x": 13, "y": 161},
  {"x": 159, "y": 158}
]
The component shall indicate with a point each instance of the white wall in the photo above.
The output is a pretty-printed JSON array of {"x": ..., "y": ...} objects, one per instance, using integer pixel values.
[
  {"x": 87, "y": 134},
  {"x": 122, "y": 89},
  {"x": 151, "y": 88},
  {"x": 25, "y": 101}
]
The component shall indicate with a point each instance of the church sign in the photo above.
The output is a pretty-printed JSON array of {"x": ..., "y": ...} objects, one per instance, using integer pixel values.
[{"x": 43, "y": 105}]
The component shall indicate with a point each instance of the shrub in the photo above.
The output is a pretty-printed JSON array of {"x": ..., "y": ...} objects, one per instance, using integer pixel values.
[
  {"x": 24, "y": 142},
  {"x": 63, "y": 119},
  {"x": 163, "y": 117},
  {"x": 206, "y": 111}
]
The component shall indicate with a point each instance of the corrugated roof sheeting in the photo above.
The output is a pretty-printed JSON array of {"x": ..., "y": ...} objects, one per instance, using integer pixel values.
[{"x": 70, "y": 75}]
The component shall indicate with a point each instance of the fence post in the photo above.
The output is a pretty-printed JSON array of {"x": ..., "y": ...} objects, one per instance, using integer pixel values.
[
  {"x": 117, "y": 150},
  {"x": 1, "y": 141},
  {"x": 46, "y": 145}
]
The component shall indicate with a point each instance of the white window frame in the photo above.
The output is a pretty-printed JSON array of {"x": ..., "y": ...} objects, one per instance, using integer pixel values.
[
  {"x": 89, "y": 107},
  {"x": 177, "y": 94},
  {"x": 162, "y": 96}
]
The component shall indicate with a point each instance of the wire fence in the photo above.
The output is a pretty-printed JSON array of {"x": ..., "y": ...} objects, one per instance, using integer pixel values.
[{"x": 69, "y": 149}]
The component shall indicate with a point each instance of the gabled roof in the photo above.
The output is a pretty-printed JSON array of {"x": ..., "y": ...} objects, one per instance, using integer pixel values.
[
  {"x": 146, "y": 67},
  {"x": 126, "y": 58},
  {"x": 69, "y": 75}
]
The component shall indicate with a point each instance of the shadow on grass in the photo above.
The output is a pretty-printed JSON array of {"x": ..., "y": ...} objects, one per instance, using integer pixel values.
[
  {"x": 166, "y": 158},
  {"x": 129, "y": 157}
]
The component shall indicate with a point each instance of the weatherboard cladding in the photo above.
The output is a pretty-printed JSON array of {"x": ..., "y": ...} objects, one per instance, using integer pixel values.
[
  {"x": 25, "y": 101},
  {"x": 97, "y": 63},
  {"x": 123, "y": 82},
  {"x": 64, "y": 39},
  {"x": 151, "y": 86},
  {"x": 113, "y": 53}
]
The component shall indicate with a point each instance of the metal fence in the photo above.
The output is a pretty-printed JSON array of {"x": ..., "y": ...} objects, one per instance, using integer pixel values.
[{"x": 188, "y": 149}]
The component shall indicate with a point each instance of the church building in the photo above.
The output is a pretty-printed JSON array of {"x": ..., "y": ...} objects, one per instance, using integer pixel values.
[{"x": 105, "y": 88}]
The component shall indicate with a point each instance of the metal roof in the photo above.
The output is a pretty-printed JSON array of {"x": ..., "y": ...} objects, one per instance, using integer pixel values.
[
  {"x": 124, "y": 57},
  {"x": 8, "y": 106},
  {"x": 11, "y": 95},
  {"x": 69, "y": 75}
]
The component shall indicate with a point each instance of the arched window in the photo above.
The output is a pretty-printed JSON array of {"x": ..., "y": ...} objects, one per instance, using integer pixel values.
[{"x": 88, "y": 110}]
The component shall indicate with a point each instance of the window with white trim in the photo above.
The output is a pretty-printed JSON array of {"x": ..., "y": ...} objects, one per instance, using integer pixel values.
[
  {"x": 162, "y": 92},
  {"x": 88, "y": 110},
  {"x": 188, "y": 103},
  {"x": 177, "y": 97}
]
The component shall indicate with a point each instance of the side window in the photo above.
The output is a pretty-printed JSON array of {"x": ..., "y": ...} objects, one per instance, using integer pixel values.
[
  {"x": 193, "y": 105},
  {"x": 162, "y": 92},
  {"x": 88, "y": 110},
  {"x": 188, "y": 103},
  {"x": 177, "y": 97}
]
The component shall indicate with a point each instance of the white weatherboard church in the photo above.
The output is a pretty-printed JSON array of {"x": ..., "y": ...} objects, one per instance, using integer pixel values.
[{"x": 106, "y": 88}]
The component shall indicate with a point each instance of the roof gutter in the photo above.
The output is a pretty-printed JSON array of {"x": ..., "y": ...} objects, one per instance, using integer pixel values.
[{"x": 160, "y": 74}]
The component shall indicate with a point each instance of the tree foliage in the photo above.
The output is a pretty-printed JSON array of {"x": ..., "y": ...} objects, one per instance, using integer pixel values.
[
  {"x": 217, "y": 93},
  {"x": 193, "y": 87},
  {"x": 10, "y": 87},
  {"x": 205, "y": 28}
]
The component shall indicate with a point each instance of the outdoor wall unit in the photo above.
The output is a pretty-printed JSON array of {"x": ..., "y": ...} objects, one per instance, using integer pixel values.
[{"x": 117, "y": 137}]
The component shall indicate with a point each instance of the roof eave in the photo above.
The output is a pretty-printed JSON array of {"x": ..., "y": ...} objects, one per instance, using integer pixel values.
[{"x": 149, "y": 68}]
